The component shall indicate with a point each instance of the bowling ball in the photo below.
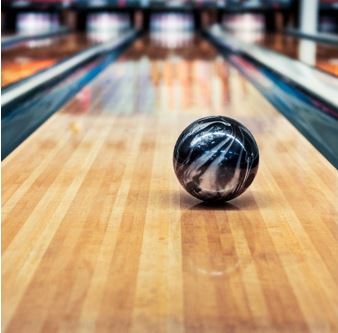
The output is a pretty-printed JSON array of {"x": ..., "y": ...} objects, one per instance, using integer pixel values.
[{"x": 216, "y": 158}]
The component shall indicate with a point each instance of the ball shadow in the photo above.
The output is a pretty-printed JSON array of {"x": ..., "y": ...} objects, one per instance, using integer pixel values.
[
  {"x": 214, "y": 206},
  {"x": 244, "y": 202}
]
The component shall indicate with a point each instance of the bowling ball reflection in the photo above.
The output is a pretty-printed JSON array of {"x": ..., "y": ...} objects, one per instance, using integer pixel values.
[{"x": 216, "y": 158}]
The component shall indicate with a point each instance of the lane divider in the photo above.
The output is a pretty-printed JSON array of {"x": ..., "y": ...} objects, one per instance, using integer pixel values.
[{"x": 31, "y": 84}]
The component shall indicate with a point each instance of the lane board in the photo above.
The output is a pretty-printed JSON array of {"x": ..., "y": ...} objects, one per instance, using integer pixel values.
[{"x": 97, "y": 234}]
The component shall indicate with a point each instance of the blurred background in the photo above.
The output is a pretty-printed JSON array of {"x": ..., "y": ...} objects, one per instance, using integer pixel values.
[
  {"x": 39, "y": 35},
  {"x": 22, "y": 16}
]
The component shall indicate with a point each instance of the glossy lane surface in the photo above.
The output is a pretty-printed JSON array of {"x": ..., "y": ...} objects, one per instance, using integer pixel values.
[
  {"x": 27, "y": 58},
  {"x": 99, "y": 236}
]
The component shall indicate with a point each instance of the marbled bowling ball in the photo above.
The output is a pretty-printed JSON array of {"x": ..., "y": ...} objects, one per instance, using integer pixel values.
[{"x": 216, "y": 158}]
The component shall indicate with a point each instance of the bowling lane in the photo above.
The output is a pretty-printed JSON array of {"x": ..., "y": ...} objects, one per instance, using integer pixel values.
[
  {"x": 27, "y": 58},
  {"x": 98, "y": 234},
  {"x": 321, "y": 56}
]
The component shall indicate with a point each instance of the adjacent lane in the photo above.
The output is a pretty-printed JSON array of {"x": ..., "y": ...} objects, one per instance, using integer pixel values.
[{"x": 27, "y": 58}]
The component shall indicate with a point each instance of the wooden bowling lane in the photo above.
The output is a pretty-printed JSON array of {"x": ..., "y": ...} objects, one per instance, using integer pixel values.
[
  {"x": 99, "y": 236},
  {"x": 318, "y": 55},
  {"x": 27, "y": 58}
]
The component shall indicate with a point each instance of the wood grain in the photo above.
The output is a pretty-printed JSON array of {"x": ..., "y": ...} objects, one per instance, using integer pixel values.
[{"x": 98, "y": 235}]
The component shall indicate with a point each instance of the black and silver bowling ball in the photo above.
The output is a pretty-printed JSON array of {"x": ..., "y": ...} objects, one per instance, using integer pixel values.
[{"x": 216, "y": 158}]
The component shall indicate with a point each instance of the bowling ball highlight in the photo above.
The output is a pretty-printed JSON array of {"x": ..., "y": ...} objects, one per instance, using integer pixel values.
[{"x": 216, "y": 158}]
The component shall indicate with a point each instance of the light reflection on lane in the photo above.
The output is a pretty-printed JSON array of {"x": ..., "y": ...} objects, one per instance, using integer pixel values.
[{"x": 153, "y": 77}]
